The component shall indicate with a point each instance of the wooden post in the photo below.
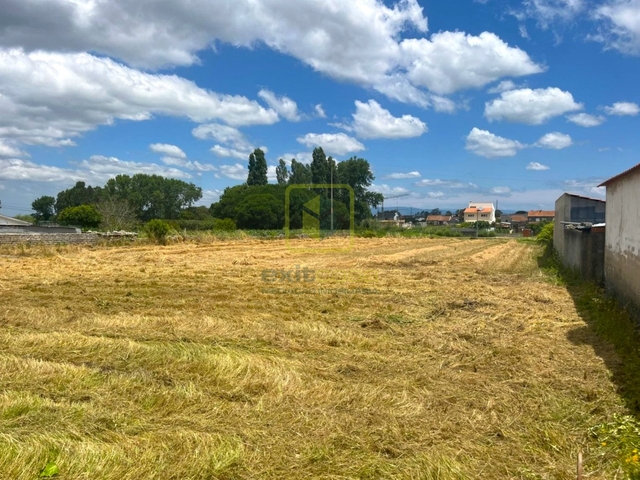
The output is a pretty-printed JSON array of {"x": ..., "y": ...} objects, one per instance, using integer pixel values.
[{"x": 579, "y": 468}]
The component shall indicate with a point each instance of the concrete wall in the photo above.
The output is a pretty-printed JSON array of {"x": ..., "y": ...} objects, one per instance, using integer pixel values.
[
  {"x": 566, "y": 207},
  {"x": 48, "y": 239},
  {"x": 622, "y": 253},
  {"x": 584, "y": 252}
]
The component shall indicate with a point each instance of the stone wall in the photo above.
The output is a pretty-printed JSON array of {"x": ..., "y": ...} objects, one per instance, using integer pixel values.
[{"x": 48, "y": 239}]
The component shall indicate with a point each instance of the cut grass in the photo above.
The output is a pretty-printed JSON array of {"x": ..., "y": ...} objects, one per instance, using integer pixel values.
[{"x": 168, "y": 362}]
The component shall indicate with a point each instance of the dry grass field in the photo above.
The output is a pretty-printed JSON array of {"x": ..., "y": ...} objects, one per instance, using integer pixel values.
[{"x": 462, "y": 360}]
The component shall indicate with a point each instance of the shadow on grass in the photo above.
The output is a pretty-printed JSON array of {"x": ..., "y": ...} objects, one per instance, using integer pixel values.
[
  {"x": 612, "y": 332},
  {"x": 610, "y": 329}
]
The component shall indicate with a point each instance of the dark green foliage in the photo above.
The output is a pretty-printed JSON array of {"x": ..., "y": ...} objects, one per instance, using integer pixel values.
[
  {"x": 196, "y": 213},
  {"x": 545, "y": 236},
  {"x": 538, "y": 226},
  {"x": 193, "y": 225},
  {"x": 320, "y": 168},
  {"x": 158, "y": 230},
  {"x": 153, "y": 196},
  {"x": 85, "y": 216},
  {"x": 224, "y": 225},
  {"x": 233, "y": 196},
  {"x": 260, "y": 211},
  {"x": 78, "y": 195},
  {"x": 282, "y": 173},
  {"x": 300, "y": 173},
  {"x": 257, "y": 168},
  {"x": 356, "y": 172},
  {"x": 43, "y": 207}
]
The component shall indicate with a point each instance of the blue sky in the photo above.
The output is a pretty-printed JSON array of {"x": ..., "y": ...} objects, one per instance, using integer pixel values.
[{"x": 516, "y": 101}]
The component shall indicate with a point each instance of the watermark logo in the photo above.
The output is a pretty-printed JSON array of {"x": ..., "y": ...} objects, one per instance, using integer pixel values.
[
  {"x": 317, "y": 212},
  {"x": 298, "y": 274},
  {"x": 301, "y": 281}
]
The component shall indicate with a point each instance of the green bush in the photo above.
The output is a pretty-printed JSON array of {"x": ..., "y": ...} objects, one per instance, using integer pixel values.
[
  {"x": 85, "y": 216},
  {"x": 545, "y": 236},
  {"x": 158, "y": 230},
  {"x": 225, "y": 225}
]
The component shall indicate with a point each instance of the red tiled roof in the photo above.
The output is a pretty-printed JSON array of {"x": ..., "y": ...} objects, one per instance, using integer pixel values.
[
  {"x": 439, "y": 218},
  {"x": 542, "y": 213},
  {"x": 474, "y": 210},
  {"x": 519, "y": 218},
  {"x": 619, "y": 176}
]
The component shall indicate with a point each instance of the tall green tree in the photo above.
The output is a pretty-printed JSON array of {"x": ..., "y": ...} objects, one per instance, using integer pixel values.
[
  {"x": 257, "y": 168},
  {"x": 320, "y": 168},
  {"x": 356, "y": 172},
  {"x": 43, "y": 207},
  {"x": 79, "y": 194},
  {"x": 282, "y": 173},
  {"x": 300, "y": 173}
]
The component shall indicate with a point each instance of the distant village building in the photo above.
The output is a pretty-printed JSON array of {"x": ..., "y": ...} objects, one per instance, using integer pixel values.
[
  {"x": 622, "y": 238},
  {"x": 485, "y": 212},
  {"x": 439, "y": 219},
  {"x": 540, "y": 215}
]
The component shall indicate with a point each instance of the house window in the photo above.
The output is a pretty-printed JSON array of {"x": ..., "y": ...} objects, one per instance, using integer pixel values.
[{"x": 484, "y": 215}]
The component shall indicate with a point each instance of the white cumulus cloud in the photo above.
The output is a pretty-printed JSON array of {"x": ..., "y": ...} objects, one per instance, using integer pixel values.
[
  {"x": 555, "y": 141},
  {"x": 623, "y": 108},
  {"x": 372, "y": 121},
  {"x": 7, "y": 150},
  {"x": 489, "y": 145},
  {"x": 361, "y": 41},
  {"x": 621, "y": 25},
  {"x": 236, "y": 172},
  {"x": 168, "y": 150},
  {"x": 532, "y": 107},
  {"x": 537, "y": 166},
  {"x": 586, "y": 119},
  {"x": 452, "y": 61},
  {"x": 49, "y": 98},
  {"x": 333, "y": 143},
  {"x": 284, "y": 106}
]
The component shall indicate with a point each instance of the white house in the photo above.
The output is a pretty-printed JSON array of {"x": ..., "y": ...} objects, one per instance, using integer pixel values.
[
  {"x": 622, "y": 236},
  {"x": 485, "y": 212}
]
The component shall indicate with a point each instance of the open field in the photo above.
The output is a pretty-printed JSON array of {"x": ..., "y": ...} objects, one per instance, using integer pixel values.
[{"x": 463, "y": 360}]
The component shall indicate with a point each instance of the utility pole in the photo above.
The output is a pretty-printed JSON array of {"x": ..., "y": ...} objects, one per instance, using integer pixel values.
[{"x": 331, "y": 197}]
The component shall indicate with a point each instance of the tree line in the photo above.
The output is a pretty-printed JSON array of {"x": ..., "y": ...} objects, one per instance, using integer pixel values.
[
  {"x": 120, "y": 203},
  {"x": 259, "y": 204},
  {"x": 125, "y": 201}
]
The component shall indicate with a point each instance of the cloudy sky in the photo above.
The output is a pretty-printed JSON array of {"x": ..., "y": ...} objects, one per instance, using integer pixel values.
[{"x": 449, "y": 101}]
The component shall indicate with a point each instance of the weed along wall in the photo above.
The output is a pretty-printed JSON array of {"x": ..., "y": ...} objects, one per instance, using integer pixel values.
[
  {"x": 583, "y": 251},
  {"x": 48, "y": 239}
]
